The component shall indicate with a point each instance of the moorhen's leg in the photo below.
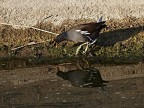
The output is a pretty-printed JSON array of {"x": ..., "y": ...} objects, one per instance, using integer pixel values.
[{"x": 77, "y": 50}]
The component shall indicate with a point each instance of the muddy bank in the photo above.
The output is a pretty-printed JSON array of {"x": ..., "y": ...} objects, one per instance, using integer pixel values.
[{"x": 46, "y": 94}]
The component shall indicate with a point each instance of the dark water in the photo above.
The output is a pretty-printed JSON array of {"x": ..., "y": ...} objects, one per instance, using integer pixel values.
[
  {"x": 65, "y": 86},
  {"x": 87, "y": 77}
]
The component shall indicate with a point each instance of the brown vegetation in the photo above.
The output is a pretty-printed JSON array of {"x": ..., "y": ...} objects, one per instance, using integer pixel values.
[{"x": 121, "y": 38}]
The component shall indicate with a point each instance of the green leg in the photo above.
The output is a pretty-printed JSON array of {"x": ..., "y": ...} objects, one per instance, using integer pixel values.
[
  {"x": 77, "y": 50},
  {"x": 86, "y": 48}
]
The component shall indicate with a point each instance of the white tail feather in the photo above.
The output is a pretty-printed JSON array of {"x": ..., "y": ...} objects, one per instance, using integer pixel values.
[{"x": 100, "y": 19}]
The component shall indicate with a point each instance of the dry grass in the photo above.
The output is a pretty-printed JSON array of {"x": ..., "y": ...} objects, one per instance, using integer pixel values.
[{"x": 122, "y": 37}]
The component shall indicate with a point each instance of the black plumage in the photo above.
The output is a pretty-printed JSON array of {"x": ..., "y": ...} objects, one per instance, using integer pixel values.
[
  {"x": 88, "y": 33},
  {"x": 82, "y": 33}
]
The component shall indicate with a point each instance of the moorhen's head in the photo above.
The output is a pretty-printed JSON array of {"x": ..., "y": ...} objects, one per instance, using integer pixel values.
[
  {"x": 61, "y": 37},
  {"x": 63, "y": 75}
]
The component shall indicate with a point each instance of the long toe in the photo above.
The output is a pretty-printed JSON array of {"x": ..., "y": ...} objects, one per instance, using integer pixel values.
[{"x": 78, "y": 49}]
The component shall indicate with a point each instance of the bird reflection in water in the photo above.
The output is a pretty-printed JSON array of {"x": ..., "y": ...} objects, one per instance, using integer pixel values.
[{"x": 87, "y": 77}]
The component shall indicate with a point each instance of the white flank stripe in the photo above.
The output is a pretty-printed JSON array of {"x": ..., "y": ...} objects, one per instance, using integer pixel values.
[
  {"x": 84, "y": 32},
  {"x": 78, "y": 30}
]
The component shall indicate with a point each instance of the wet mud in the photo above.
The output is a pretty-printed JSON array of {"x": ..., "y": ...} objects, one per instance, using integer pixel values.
[
  {"x": 42, "y": 87},
  {"x": 55, "y": 92}
]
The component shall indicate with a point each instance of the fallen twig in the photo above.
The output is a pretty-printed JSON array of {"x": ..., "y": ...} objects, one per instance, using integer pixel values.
[
  {"x": 28, "y": 44},
  {"x": 30, "y": 27},
  {"x": 31, "y": 43}
]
